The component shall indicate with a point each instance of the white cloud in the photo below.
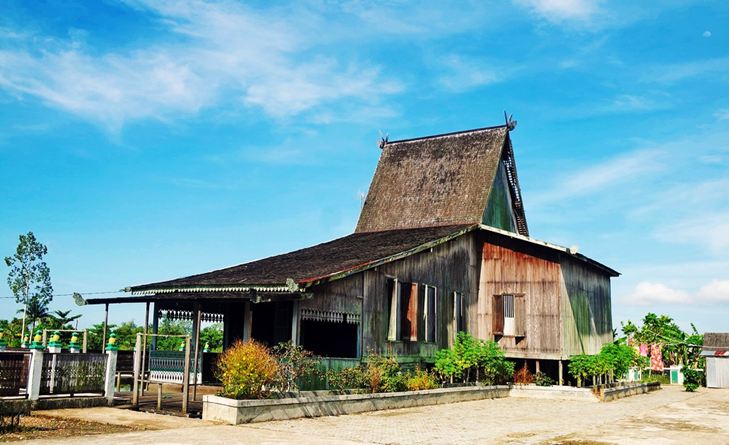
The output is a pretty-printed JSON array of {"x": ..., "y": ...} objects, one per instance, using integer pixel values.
[
  {"x": 212, "y": 53},
  {"x": 678, "y": 72},
  {"x": 647, "y": 293},
  {"x": 707, "y": 230},
  {"x": 561, "y": 10},
  {"x": 722, "y": 114},
  {"x": 706, "y": 34},
  {"x": 715, "y": 291},
  {"x": 462, "y": 74},
  {"x": 609, "y": 174}
]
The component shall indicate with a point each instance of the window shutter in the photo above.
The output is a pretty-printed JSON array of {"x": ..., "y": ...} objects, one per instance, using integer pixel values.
[
  {"x": 498, "y": 315},
  {"x": 520, "y": 315},
  {"x": 413, "y": 313}
]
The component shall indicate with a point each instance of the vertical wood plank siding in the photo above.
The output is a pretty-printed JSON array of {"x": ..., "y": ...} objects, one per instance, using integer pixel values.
[
  {"x": 562, "y": 305},
  {"x": 506, "y": 271},
  {"x": 448, "y": 267}
]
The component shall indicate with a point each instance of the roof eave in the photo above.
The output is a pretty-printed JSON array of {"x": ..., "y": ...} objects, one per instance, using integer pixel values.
[{"x": 566, "y": 250}]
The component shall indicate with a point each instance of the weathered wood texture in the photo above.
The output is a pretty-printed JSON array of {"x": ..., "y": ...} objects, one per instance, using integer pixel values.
[
  {"x": 337, "y": 296},
  {"x": 506, "y": 271},
  {"x": 586, "y": 309},
  {"x": 451, "y": 267},
  {"x": 566, "y": 302},
  {"x": 500, "y": 210}
]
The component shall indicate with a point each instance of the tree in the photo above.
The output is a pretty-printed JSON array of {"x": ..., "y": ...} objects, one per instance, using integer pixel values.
[
  {"x": 30, "y": 278},
  {"x": 64, "y": 318},
  {"x": 213, "y": 336}
]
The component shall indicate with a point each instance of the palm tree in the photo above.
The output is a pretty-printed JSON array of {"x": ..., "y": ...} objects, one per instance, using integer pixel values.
[
  {"x": 36, "y": 311},
  {"x": 64, "y": 318}
]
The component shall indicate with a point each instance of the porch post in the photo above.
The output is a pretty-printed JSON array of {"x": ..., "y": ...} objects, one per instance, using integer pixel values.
[
  {"x": 247, "y": 321},
  {"x": 144, "y": 341},
  {"x": 561, "y": 380},
  {"x": 196, "y": 333},
  {"x": 186, "y": 377},
  {"x": 155, "y": 325},
  {"x": 137, "y": 365},
  {"x": 295, "y": 316}
]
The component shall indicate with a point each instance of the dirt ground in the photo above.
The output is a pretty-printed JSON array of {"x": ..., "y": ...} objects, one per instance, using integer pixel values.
[
  {"x": 39, "y": 427},
  {"x": 667, "y": 416}
]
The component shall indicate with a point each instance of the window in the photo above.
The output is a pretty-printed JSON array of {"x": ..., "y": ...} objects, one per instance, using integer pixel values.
[
  {"x": 403, "y": 322},
  {"x": 509, "y": 319},
  {"x": 430, "y": 318},
  {"x": 509, "y": 315},
  {"x": 459, "y": 313}
]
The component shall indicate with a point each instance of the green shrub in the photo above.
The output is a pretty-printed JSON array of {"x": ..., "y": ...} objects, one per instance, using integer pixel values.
[
  {"x": 294, "y": 362},
  {"x": 473, "y": 358},
  {"x": 692, "y": 379},
  {"x": 247, "y": 370},
  {"x": 614, "y": 360},
  {"x": 420, "y": 380},
  {"x": 542, "y": 379},
  {"x": 348, "y": 378},
  {"x": 384, "y": 374}
]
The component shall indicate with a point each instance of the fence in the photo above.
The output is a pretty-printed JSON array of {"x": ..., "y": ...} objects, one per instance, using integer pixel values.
[
  {"x": 35, "y": 373},
  {"x": 67, "y": 373},
  {"x": 13, "y": 373}
]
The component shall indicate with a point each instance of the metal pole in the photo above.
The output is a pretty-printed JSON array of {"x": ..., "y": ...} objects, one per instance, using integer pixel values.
[
  {"x": 106, "y": 323},
  {"x": 186, "y": 376},
  {"x": 198, "y": 322},
  {"x": 83, "y": 344},
  {"x": 144, "y": 342},
  {"x": 137, "y": 363}
]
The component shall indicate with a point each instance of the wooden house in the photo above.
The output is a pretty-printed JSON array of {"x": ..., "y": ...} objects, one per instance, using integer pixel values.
[
  {"x": 716, "y": 352},
  {"x": 441, "y": 246}
]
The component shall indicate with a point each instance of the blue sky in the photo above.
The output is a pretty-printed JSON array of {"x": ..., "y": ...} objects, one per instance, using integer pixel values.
[{"x": 144, "y": 140}]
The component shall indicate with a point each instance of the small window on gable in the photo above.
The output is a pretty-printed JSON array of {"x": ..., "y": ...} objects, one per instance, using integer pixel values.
[
  {"x": 509, "y": 315},
  {"x": 459, "y": 313},
  {"x": 403, "y": 303}
]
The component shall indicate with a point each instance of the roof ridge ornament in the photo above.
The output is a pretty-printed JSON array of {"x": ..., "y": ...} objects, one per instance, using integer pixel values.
[
  {"x": 509, "y": 121},
  {"x": 384, "y": 139}
]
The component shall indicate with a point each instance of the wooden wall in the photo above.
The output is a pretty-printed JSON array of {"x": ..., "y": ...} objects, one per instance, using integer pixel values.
[
  {"x": 567, "y": 303},
  {"x": 586, "y": 308},
  {"x": 506, "y": 271},
  {"x": 568, "y": 308},
  {"x": 449, "y": 267},
  {"x": 338, "y": 296}
]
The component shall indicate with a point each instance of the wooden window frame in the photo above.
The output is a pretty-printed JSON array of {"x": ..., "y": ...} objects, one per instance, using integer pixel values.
[
  {"x": 498, "y": 314},
  {"x": 459, "y": 313},
  {"x": 430, "y": 320}
]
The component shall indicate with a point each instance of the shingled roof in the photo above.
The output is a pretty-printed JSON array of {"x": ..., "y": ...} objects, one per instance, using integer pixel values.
[
  {"x": 306, "y": 266},
  {"x": 332, "y": 260},
  {"x": 440, "y": 180}
]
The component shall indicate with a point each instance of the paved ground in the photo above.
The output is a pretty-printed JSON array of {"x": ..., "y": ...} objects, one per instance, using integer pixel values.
[{"x": 667, "y": 416}]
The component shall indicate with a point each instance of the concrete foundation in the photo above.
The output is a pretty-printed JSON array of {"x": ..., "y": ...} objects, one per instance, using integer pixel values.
[{"x": 245, "y": 411}]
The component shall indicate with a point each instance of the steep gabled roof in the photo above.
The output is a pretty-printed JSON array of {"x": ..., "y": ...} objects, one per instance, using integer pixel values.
[{"x": 440, "y": 180}]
